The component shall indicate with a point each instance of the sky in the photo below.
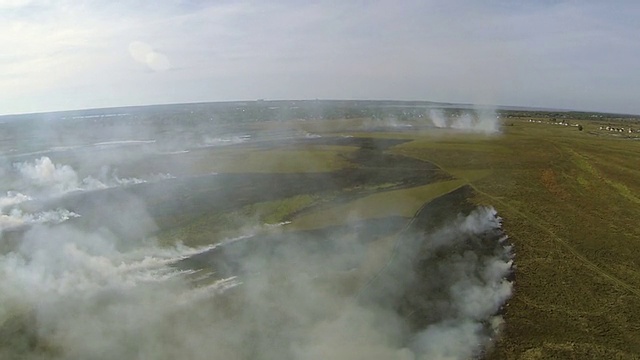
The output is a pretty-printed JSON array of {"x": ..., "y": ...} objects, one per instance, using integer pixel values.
[{"x": 77, "y": 54}]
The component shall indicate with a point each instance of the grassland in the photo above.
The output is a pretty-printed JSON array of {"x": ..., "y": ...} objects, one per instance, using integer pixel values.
[
  {"x": 402, "y": 202},
  {"x": 205, "y": 228},
  {"x": 246, "y": 159},
  {"x": 570, "y": 201}
]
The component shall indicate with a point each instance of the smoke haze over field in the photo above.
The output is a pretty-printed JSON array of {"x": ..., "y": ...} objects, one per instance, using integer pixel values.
[
  {"x": 96, "y": 265},
  {"x": 85, "y": 297},
  {"x": 479, "y": 121},
  {"x": 59, "y": 179}
]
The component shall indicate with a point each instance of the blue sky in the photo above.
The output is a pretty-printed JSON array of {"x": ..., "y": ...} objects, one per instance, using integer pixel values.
[{"x": 71, "y": 54}]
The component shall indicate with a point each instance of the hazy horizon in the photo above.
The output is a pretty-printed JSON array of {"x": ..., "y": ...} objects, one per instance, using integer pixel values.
[
  {"x": 84, "y": 55},
  {"x": 436, "y": 103}
]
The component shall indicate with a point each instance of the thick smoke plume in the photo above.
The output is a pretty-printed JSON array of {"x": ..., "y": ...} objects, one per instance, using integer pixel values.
[
  {"x": 109, "y": 288},
  {"x": 40, "y": 180},
  {"x": 474, "y": 285},
  {"x": 50, "y": 179},
  {"x": 483, "y": 121},
  {"x": 77, "y": 294}
]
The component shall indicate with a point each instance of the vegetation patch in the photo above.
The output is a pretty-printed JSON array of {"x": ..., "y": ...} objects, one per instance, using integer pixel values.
[
  {"x": 404, "y": 202},
  {"x": 319, "y": 159}
]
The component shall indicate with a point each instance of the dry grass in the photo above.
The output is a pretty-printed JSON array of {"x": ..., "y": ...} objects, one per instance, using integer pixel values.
[
  {"x": 571, "y": 203},
  {"x": 404, "y": 202},
  {"x": 316, "y": 159}
]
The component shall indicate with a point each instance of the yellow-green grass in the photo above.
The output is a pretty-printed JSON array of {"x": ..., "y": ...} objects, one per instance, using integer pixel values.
[
  {"x": 403, "y": 202},
  {"x": 570, "y": 203},
  {"x": 274, "y": 212},
  {"x": 569, "y": 200},
  {"x": 318, "y": 126},
  {"x": 273, "y": 160},
  {"x": 211, "y": 228},
  {"x": 248, "y": 159}
]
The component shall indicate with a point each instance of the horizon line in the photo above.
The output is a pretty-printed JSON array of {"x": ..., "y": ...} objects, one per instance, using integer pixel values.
[{"x": 442, "y": 103}]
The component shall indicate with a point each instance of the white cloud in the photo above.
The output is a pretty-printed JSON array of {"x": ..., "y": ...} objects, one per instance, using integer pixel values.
[
  {"x": 78, "y": 54},
  {"x": 144, "y": 53},
  {"x": 13, "y": 4}
]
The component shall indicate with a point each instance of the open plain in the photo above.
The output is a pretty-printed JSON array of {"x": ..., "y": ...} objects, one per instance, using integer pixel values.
[{"x": 352, "y": 208}]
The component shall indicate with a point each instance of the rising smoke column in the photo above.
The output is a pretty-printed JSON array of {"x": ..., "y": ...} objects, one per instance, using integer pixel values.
[
  {"x": 467, "y": 263},
  {"x": 44, "y": 175},
  {"x": 437, "y": 118},
  {"x": 449, "y": 285},
  {"x": 484, "y": 121}
]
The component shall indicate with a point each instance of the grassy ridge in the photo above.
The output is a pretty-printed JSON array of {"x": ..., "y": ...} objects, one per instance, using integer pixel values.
[{"x": 570, "y": 201}]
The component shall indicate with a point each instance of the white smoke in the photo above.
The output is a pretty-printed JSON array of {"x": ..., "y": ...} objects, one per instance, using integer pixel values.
[
  {"x": 88, "y": 297},
  {"x": 103, "y": 287},
  {"x": 68, "y": 263},
  {"x": 13, "y": 198},
  {"x": 209, "y": 141},
  {"x": 46, "y": 179},
  {"x": 467, "y": 280},
  {"x": 17, "y": 217},
  {"x": 483, "y": 121},
  {"x": 11, "y": 215},
  {"x": 44, "y": 174},
  {"x": 160, "y": 177},
  {"x": 438, "y": 118},
  {"x": 42, "y": 179},
  {"x": 308, "y": 135}
]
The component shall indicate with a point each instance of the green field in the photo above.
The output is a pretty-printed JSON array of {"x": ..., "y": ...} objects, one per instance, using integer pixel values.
[
  {"x": 570, "y": 200},
  {"x": 571, "y": 204}
]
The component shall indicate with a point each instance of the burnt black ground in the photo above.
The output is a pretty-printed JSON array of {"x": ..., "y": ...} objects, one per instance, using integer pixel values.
[{"x": 173, "y": 202}]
